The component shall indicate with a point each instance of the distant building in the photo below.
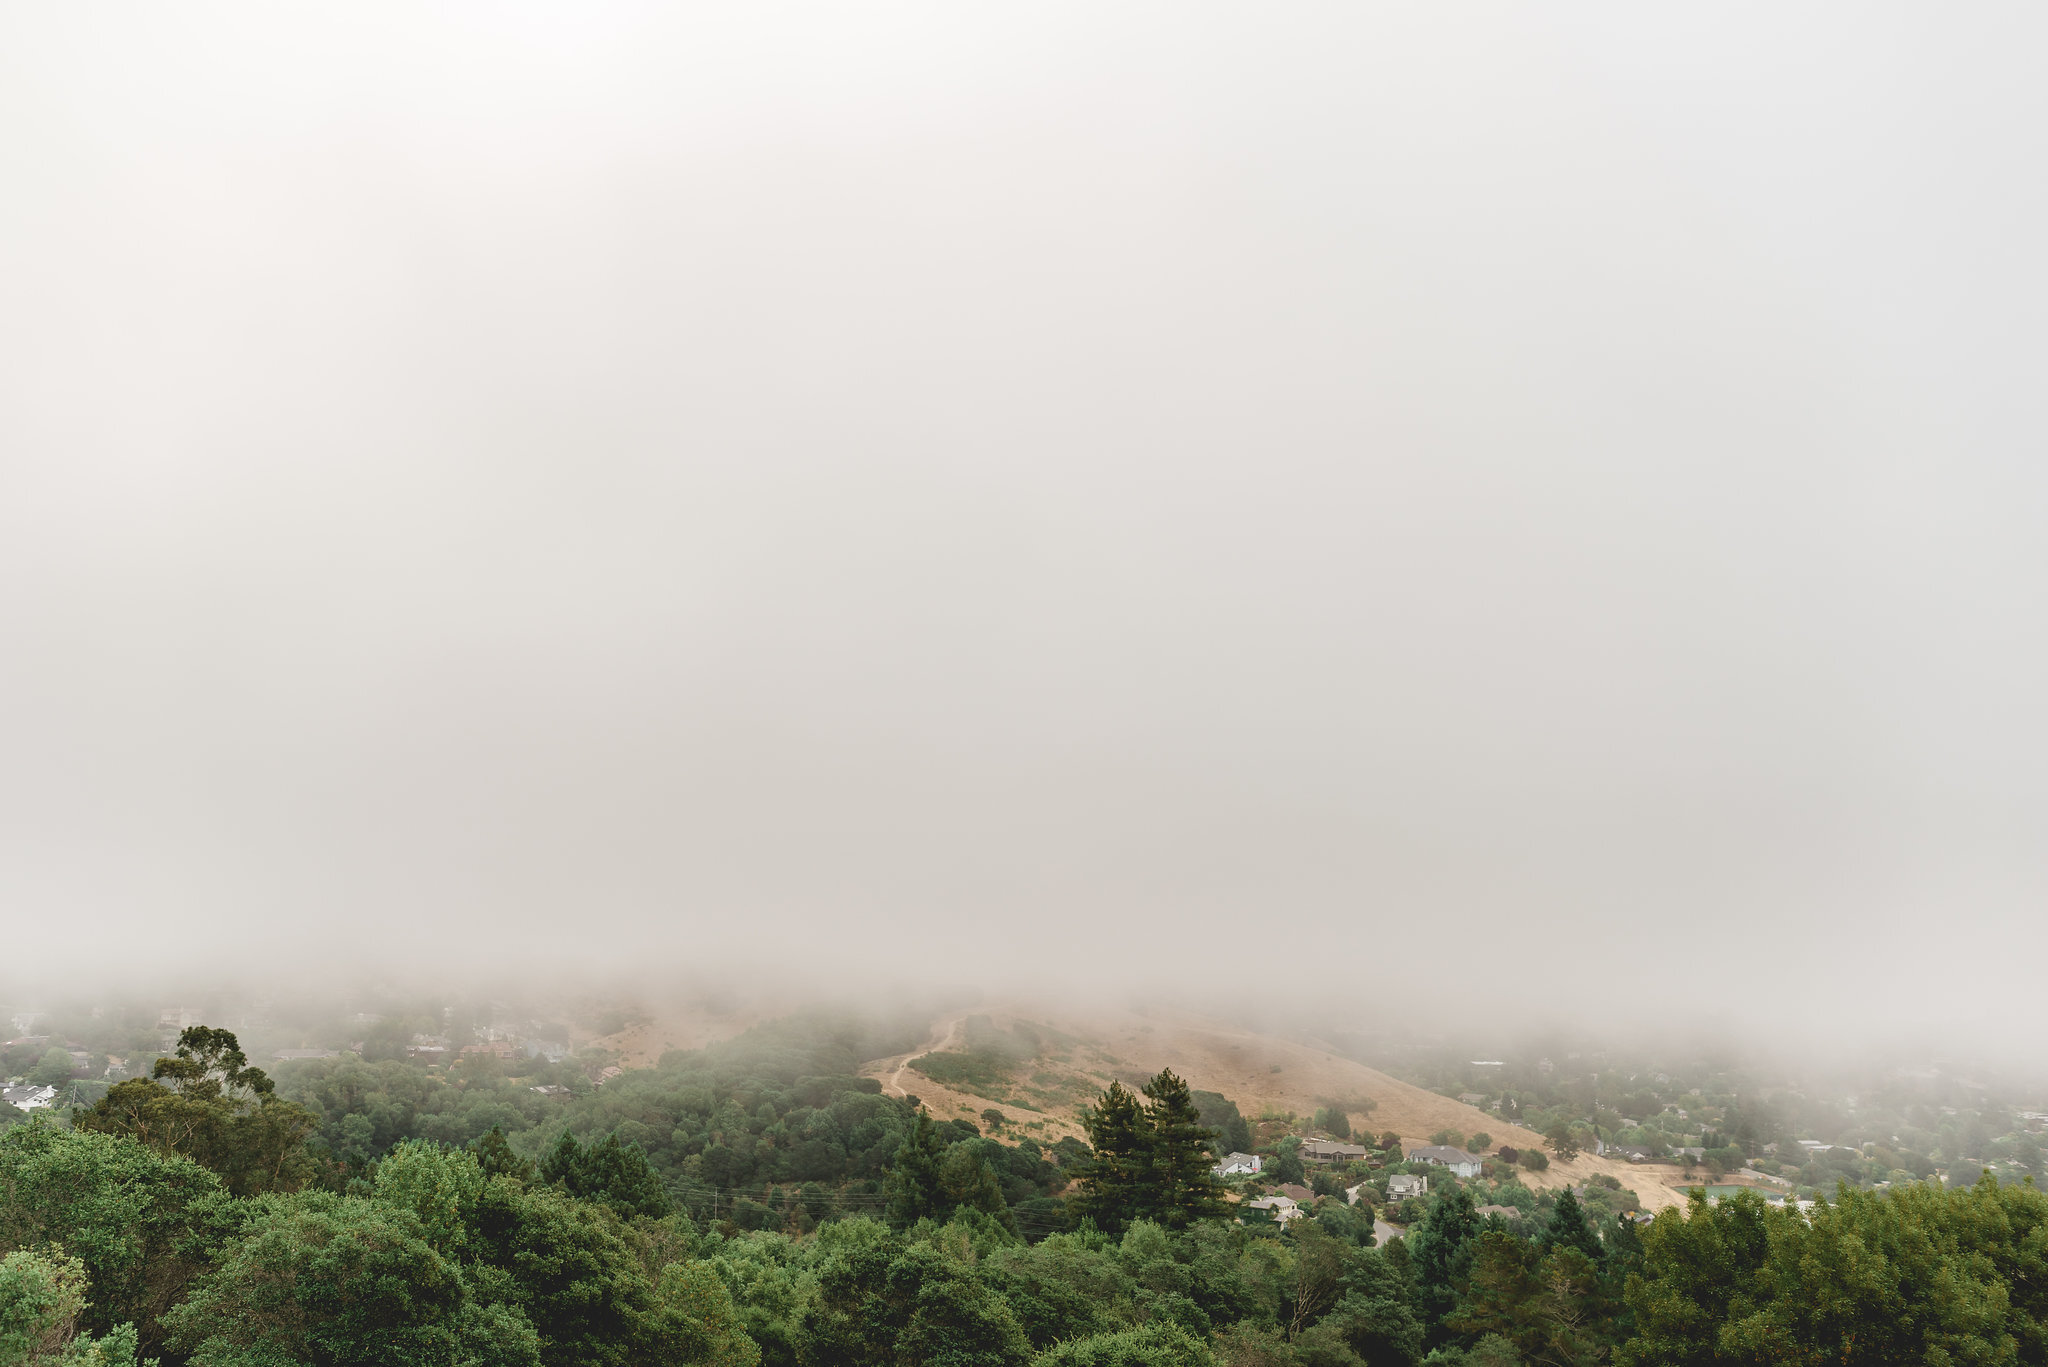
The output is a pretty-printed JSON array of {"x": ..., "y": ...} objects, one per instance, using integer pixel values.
[
  {"x": 1472, "y": 1098},
  {"x": 1444, "y": 1156},
  {"x": 552, "y": 1092},
  {"x": 29, "y": 1098},
  {"x": 1505, "y": 1212},
  {"x": 552, "y": 1050},
  {"x": 293, "y": 1055},
  {"x": 1330, "y": 1151},
  {"x": 1295, "y": 1191},
  {"x": 1279, "y": 1209},
  {"x": 1402, "y": 1186},
  {"x": 1234, "y": 1164},
  {"x": 1634, "y": 1153}
]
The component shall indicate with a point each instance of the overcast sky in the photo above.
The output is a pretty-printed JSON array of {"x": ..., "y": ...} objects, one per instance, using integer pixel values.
[{"x": 1111, "y": 492}]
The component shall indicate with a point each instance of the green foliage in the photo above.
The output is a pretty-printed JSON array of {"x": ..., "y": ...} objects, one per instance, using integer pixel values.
[
  {"x": 1150, "y": 1161},
  {"x": 1332, "y": 1120},
  {"x": 42, "y": 1298},
  {"x": 1159, "y": 1344},
  {"x": 52, "y": 1069},
  {"x": 881, "y": 1299},
  {"x": 1220, "y": 1113},
  {"x": 1568, "y": 1228},
  {"x": 217, "y": 1110},
  {"x": 1916, "y": 1274},
  {"x": 1440, "y": 1250},
  {"x": 609, "y": 1173},
  {"x": 324, "y": 1280},
  {"x": 1286, "y": 1164},
  {"x": 141, "y": 1223},
  {"x": 1535, "y": 1160}
]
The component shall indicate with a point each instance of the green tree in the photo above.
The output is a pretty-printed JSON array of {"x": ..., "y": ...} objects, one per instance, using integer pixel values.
[
  {"x": 1179, "y": 1186},
  {"x": 323, "y": 1280},
  {"x": 53, "y": 1069},
  {"x": 141, "y": 1223},
  {"x": 42, "y": 1299},
  {"x": 1286, "y": 1164},
  {"x": 966, "y": 1181},
  {"x": 567, "y": 1266},
  {"x": 1440, "y": 1251},
  {"x": 1116, "y": 1168},
  {"x": 217, "y": 1110},
  {"x": 1568, "y": 1228},
  {"x": 1332, "y": 1120},
  {"x": 1562, "y": 1141},
  {"x": 609, "y": 1173},
  {"x": 914, "y": 1192},
  {"x": 495, "y": 1156},
  {"x": 1157, "y": 1344},
  {"x": 883, "y": 1302},
  {"x": 1500, "y": 1293},
  {"x": 697, "y": 1321}
]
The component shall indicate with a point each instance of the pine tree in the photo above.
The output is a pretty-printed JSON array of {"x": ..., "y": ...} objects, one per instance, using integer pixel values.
[
  {"x": 1568, "y": 1228},
  {"x": 1118, "y": 1135},
  {"x": 1180, "y": 1186},
  {"x": 914, "y": 1176}
]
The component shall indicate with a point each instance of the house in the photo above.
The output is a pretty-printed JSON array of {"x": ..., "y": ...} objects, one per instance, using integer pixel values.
[
  {"x": 552, "y": 1092},
  {"x": 1444, "y": 1156},
  {"x": 1235, "y": 1163},
  {"x": 29, "y": 1098},
  {"x": 1279, "y": 1209},
  {"x": 1295, "y": 1191},
  {"x": 293, "y": 1055},
  {"x": 552, "y": 1050},
  {"x": 1634, "y": 1153},
  {"x": 1505, "y": 1212},
  {"x": 1403, "y": 1185},
  {"x": 609, "y": 1072},
  {"x": 1330, "y": 1151}
]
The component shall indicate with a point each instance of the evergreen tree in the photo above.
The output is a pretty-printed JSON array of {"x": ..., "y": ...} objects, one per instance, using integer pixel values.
[
  {"x": 1440, "y": 1250},
  {"x": 1118, "y": 1140},
  {"x": 495, "y": 1156},
  {"x": 1179, "y": 1186},
  {"x": 1568, "y": 1228},
  {"x": 914, "y": 1192}
]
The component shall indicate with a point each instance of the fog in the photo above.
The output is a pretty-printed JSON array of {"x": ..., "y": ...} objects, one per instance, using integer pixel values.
[{"x": 1463, "y": 509}]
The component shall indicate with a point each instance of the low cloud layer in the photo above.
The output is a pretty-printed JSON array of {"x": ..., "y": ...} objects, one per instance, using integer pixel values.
[{"x": 1373, "y": 504}]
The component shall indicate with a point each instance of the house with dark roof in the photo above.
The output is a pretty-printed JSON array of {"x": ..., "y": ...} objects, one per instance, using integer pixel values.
[
  {"x": 1330, "y": 1151},
  {"x": 1444, "y": 1156}
]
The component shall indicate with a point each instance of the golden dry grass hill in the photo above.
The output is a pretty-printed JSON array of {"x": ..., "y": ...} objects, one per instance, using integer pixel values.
[{"x": 1037, "y": 1067}]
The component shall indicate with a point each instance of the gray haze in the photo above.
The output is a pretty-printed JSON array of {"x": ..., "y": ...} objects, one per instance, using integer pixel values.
[{"x": 1533, "y": 503}]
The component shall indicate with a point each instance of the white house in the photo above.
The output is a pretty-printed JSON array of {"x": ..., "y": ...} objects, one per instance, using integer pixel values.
[
  {"x": 1403, "y": 1185},
  {"x": 1330, "y": 1151},
  {"x": 1234, "y": 1163},
  {"x": 29, "y": 1098},
  {"x": 1444, "y": 1156}
]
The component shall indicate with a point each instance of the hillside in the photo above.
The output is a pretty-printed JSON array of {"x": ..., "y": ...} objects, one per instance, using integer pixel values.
[{"x": 1268, "y": 1076}]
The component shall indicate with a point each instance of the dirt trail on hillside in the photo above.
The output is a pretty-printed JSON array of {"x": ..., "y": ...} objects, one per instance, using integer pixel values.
[{"x": 890, "y": 1070}]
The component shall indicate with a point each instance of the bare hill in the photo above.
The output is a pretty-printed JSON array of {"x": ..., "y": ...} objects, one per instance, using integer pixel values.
[{"x": 1071, "y": 1059}]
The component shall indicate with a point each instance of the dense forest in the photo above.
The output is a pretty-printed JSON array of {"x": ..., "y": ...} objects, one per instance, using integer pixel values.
[{"x": 758, "y": 1202}]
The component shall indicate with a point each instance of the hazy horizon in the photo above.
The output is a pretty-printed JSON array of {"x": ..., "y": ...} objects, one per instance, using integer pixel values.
[{"x": 1526, "y": 514}]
